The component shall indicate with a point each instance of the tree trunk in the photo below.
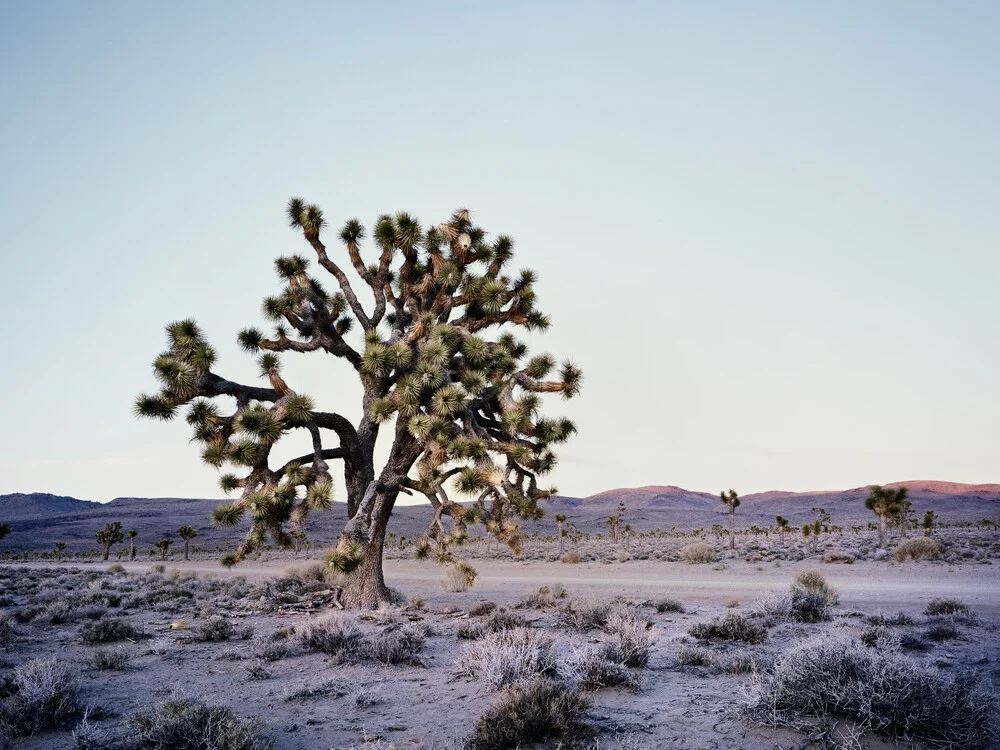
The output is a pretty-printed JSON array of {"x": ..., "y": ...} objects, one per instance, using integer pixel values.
[
  {"x": 781, "y": 534},
  {"x": 882, "y": 530},
  {"x": 732, "y": 527},
  {"x": 186, "y": 544},
  {"x": 107, "y": 549},
  {"x": 559, "y": 523},
  {"x": 365, "y": 587},
  {"x": 131, "y": 550},
  {"x": 927, "y": 531}
]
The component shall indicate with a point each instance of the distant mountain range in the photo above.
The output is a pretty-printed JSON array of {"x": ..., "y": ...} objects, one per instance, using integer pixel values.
[{"x": 39, "y": 520}]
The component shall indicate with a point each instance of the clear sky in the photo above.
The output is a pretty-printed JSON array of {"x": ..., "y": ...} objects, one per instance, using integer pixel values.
[{"x": 767, "y": 232}]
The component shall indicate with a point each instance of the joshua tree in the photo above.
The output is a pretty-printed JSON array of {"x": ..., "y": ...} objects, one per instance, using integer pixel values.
[
  {"x": 806, "y": 532},
  {"x": 627, "y": 536},
  {"x": 187, "y": 533},
  {"x": 132, "y": 534},
  {"x": 60, "y": 550},
  {"x": 905, "y": 514},
  {"x": 111, "y": 535},
  {"x": 163, "y": 545},
  {"x": 613, "y": 528},
  {"x": 459, "y": 404},
  {"x": 885, "y": 503},
  {"x": 930, "y": 518},
  {"x": 782, "y": 527},
  {"x": 4, "y": 530},
  {"x": 732, "y": 500},
  {"x": 560, "y": 520}
]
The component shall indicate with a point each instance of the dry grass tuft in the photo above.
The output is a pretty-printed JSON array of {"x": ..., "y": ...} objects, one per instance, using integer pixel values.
[
  {"x": 182, "y": 724},
  {"x": 508, "y": 656}
]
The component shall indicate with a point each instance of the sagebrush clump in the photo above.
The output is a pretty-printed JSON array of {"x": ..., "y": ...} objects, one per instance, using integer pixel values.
[
  {"x": 44, "y": 696},
  {"x": 697, "y": 552},
  {"x": 918, "y": 548},
  {"x": 534, "y": 711},
  {"x": 881, "y": 689},
  {"x": 184, "y": 724}
]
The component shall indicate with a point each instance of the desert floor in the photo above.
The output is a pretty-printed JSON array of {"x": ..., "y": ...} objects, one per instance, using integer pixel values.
[{"x": 433, "y": 705}]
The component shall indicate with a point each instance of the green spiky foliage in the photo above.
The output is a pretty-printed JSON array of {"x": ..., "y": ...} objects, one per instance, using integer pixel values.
[
  {"x": 885, "y": 503},
  {"x": 4, "y": 530},
  {"x": 60, "y": 550},
  {"x": 187, "y": 533},
  {"x": 732, "y": 500},
  {"x": 164, "y": 545},
  {"x": 442, "y": 372},
  {"x": 132, "y": 534},
  {"x": 930, "y": 518},
  {"x": 110, "y": 535},
  {"x": 783, "y": 526}
]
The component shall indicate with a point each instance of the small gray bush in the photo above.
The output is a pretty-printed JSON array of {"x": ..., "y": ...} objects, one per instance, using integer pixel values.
[
  {"x": 108, "y": 630},
  {"x": 109, "y": 659},
  {"x": 946, "y": 606},
  {"x": 183, "y": 724},
  {"x": 508, "y": 656},
  {"x": 732, "y": 627},
  {"x": 528, "y": 712},
  {"x": 668, "y": 605},
  {"x": 45, "y": 697},
  {"x": 884, "y": 691}
]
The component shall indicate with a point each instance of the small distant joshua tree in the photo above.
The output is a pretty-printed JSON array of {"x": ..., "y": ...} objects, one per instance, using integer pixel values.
[
  {"x": 782, "y": 527},
  {"x": 627, "y": 536},
  {"x": 732, "y": 500},
  {"x": 4, "y": 530},
  {"x": 613, "y": 528},
  {"x": 111, "y": 535},
  {"x": 187, "y": 533},
  {"x": 60, "y": 550},
  {"x": 806, "y": 533},
  {"x": 560, "y": 520},
  {"x": 885, "y": 503},
  {"x": 930, "y": 518},
  {"x": 905, "y": 514},
  {"x": 163, "y": 545},
  {"x": 132, "y": 534}
]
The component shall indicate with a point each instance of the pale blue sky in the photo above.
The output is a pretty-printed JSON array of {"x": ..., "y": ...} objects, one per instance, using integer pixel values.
[{"x": 768, "y": 232}]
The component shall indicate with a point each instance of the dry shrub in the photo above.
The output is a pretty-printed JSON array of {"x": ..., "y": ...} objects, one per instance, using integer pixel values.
[
  {"x": 917, "y": 548},
  {"x": 335, "y": 633},
  {"x": 812, "y": 581},
  {"x": 629, "y": 640},
  {"x": 315, "y": 689},
  {"x": 591, "y": 669},
  {"x": 884, "y": 691},
  {"x": 109, "y": 630},
  {"x": 182, "y": 724},
  {"x": 668, "y": 605},
  {"x": 697, "y": 552},
  {"x": 508, "y": 656},
  {"x": 482, "y": 608},
  {"x": 586, "y": 613},
  {"x": 8, "y": 632},
  {"x": 501, "y": 620},
  {"x": 897, "y": 620},
  {"x": 694, "y": 656},
  {"x": 946, "y": 606},
  {"x": 836, "y": 556},
  {"x": 571, "y": 558},
  {"x": 732, "y": 627},
  {"x": 534, "y": 711},
  {"x": 460, "y": 577},
  {"x": 109, "y": 659},
  {"x": 221, "y": 629},
  {"x": 44, "y": 697},
  {"x": 942, "y": 630},
  {"x": 340, "y": 635}
]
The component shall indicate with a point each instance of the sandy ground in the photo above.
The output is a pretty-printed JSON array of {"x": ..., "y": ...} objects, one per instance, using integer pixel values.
[{"x": 432, "y": 707}]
